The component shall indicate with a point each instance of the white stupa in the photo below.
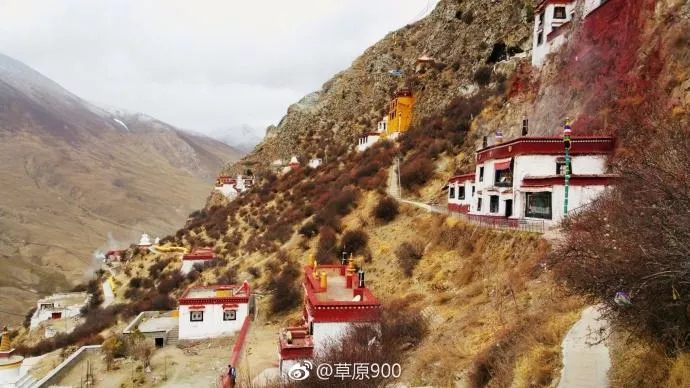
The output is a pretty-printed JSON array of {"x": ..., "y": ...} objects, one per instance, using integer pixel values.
[
  {"x": 10, "y": 363},
  {"x": 145, "y": 241}
]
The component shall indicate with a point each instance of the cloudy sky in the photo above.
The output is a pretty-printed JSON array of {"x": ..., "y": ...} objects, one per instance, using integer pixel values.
[{"x": 205, "y": 65}]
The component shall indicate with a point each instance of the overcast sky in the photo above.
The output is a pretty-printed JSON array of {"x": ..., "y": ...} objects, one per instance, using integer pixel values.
[{"x": 204, "y": 65}]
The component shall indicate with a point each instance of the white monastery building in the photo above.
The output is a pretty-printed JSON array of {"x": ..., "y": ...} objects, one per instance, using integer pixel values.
[
  {"x": 460, "y": 193},
  {"x": 524, "y": 179},
  {"x": 197, "y": 256},
  {"x": 233, "y": 186},
  {"x": 553, "y": 24},
  {"x": 59, "y": 306},
  {"x": 370, "y": 138},
  {"x": 213, "y": 311},
  {"x": 335, "y": 298}
]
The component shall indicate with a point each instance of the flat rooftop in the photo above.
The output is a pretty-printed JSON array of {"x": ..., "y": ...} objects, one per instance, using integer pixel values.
[
  {"x": 336, "y": 286},
  {"x": 158, "y": 324},
  {"x": 65, "y": 299},
  {"x": 336, "y": 289}
]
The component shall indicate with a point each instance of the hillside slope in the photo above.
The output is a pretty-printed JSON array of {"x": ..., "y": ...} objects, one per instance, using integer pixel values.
[
  {"x": 461, "y": 36},
  {"x": 73, "y": 174}
]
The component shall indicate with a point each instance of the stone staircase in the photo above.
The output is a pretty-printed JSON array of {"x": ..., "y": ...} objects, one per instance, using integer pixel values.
[
  {"x": 393, "y": 186},
  {"x": 173, "y": 337}
]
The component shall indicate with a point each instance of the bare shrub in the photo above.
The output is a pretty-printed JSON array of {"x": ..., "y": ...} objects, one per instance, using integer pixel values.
[
  {"x": 354, "y": 241},
  {"x": 386, "y": 209},
  {"x": 416, "y": 172},
  {"x": 636, "y": 239},
  {"x": 284, "y": 286},
  {"x": 408, "y": 255},
  {"x": 327, "y": 250}
]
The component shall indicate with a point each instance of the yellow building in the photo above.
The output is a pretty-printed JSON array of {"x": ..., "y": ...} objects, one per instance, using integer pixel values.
[{"x": 400, "y": 113}]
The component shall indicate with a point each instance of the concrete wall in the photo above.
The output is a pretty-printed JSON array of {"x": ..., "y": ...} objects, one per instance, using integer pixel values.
[
  {"x": 188, "y": 265},
  {"x": 213, "y": 324},
  {"x": 45, "y": 314},
  {"x": 326, "y": 333}
]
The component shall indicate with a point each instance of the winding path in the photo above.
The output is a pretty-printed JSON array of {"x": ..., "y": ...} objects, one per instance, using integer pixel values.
[{"x": 586, "y": 359}]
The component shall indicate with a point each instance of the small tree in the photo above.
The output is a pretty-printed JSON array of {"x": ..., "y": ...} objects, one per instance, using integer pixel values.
[{"x": 112, "y": 348}]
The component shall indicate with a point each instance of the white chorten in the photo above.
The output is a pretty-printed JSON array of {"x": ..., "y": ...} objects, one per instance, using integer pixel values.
[
  {"x": 145, "y": 240},
  {"x": 10, "y": 364}
]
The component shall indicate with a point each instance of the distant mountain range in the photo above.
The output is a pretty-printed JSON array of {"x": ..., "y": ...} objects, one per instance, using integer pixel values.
[{"x": 73, "y": 172}]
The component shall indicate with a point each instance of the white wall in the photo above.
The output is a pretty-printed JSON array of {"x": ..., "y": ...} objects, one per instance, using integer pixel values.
[
  {"x": 364, "y": 143},
  {"x": 456, "y": 186},
  {"x": 539, "y": 51},
  {"x": 9, "y": 375},
  {"x": 326, "y": 333},
  {"x": 188, "y": 265},
  {"x": 213, "y": 324},
  {"x": 228, "y": 190},
  {"x": 41, "y": 315}
]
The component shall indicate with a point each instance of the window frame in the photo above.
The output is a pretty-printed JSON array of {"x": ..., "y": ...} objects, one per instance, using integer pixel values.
[
  {"x": 191, "y": 316},
  {"x": 557, "y": 14},
  {"x": 544, "y": 216},
  {"x": 461, "y": 192},
  {"x": 481, "y": 174},
  {"x": 451, "y": 192},
  {"x": 479, "y": 204},
  {"x": 234, "y": 316}
]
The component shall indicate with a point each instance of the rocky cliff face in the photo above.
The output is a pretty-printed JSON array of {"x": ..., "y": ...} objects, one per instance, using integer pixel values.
[{"x": 461, "y": 36}]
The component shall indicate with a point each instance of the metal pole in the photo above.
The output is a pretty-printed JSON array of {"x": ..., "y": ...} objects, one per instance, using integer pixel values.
[
  {"x": 399, "y": 185},
  {"x": 567, "y": 131}
]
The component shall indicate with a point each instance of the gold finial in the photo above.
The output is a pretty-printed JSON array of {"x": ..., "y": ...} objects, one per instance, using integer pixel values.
[
  {"x": 5, "y": 342},
  {"x": 311, "y": 261}
]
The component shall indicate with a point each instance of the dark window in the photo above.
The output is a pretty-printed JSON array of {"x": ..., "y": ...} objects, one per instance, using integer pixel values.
[
  {"x": 229, "y": 315},
  {"x": 538, "y": 205},
  {"x": 481, "y": 174},
  {"x": 479, "y": 204},
  {"x": 540, "y": 38},
  {"x": 473, "y": 191},
  {"x": 493, "y": 204},
  {"x": 504, "y": 178},
  {"x": 560, "y": 167},
  {"x": 461, "y": 192},
  {"x": 196, "y": 316},
  {"x": 559, "y": 13},
  {"x": 451, "y": 193}
]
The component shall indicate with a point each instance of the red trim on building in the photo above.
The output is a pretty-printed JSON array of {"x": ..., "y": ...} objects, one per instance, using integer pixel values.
[
  {"x": 302, "y": 346},
  {"x": 197, "y": 307},
  {"x": 458, "y": 208},
  {"x": 540, "y": 7},
  {"x": 575, "y": 180},
  {"x": 462, "y": 178},
  {"x": 582, "y": 145},
  {"x": 200, "y": 254},
  {"x": 231, "y": 306},
  {"x": 241, "y": 295},
  {"x": 502, "y": 165},
  {"x": 501, "y": 221}
]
